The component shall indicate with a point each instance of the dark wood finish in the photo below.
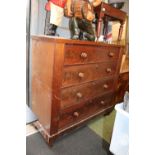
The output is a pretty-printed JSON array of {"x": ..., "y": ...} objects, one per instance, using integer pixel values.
[
  {"x": 72, "y": 82},
  {"x": 106, "y": 13},
  {"x": 106, "y": 98},
  {"x": 51, "y": 138},
  {"x": 82, "y": 54},
  {"x": 122, "y": 86},
  {"x": 72, "y": 116},
  {"x": 73, "y": 75},
  {"x": 78, "y": 94}
]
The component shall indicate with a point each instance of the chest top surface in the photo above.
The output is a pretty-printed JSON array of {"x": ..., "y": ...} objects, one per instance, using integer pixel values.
[{"x": 71, "y": 41}]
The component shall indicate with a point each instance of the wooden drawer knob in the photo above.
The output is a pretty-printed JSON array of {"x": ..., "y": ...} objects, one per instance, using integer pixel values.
[
  {"x": 96, "y": 66},
  {"x": 103, "y": 9},
  {"x": 93, "y": 83},
  {"x": 108, "y": 70},
  {"x": 111, "y": 54},
  {"x": 81, "y": 75},
  {"x": 83, "y": 55},
  {"x": 79, "y": 95},
  {"x": 76, "y": 114},
  {"x": 105, "y": 86},
  {"x": 102, "y": 102}
]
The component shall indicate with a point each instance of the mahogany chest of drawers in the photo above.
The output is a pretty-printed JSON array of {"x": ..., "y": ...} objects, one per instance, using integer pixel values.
[{"x": 72, "y": 82}]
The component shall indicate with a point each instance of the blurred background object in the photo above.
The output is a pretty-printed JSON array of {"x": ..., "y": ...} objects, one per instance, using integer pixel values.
[{"x": 117, "y": 3}]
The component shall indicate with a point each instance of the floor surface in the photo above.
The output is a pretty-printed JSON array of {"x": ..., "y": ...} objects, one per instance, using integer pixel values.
[{"x": 82, "y": 141}]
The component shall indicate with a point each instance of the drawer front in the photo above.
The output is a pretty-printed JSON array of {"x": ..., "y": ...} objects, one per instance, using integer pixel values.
[
  {"x": 78, "y": 94},
  {"x": 71, "y": 115},
  {"x": 80, "y": 54},
  {"x": 83, "y": 73}
]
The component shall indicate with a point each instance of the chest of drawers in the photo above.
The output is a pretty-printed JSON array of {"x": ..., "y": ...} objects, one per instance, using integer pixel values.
[{"x": 72, "y": 82}]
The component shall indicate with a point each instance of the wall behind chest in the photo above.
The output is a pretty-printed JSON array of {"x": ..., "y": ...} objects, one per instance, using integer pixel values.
[
  {"x": 38, "y": 15},
  {"x": 37, "y": 23}
]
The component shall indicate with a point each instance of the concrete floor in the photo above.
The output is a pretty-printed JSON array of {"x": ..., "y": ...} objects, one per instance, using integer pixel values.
[{"x": 102, "y": 126}]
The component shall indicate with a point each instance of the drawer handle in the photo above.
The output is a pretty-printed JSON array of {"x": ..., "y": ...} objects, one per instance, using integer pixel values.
[
  {"x": 76, "y": 114},
  {"x": 108, "y": 70},
  {"x": 83, "y": 55},
  {"x": 105, "y": 86},
  {"x": 79, "y": 95},
  {"x": 102, "y": 102},
  {"x": 103, "y": 9},
  {"x": 93, "y": 83},
  {"x": 96, "y": 66},
  {"x": 111, "y": 54},
  {"x": 81, "y": 75}
]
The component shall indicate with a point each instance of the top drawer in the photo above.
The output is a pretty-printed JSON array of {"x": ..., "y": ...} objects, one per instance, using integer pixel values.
[{"x": 81, "y": 54}]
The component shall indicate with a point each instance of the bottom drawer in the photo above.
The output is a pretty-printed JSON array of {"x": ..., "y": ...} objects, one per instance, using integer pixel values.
[{"x": 71, "y": 116}]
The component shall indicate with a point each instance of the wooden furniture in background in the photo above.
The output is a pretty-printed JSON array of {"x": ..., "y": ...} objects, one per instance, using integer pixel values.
[
  {"x": 106, "y": 13},
  {"x": 72, "y": 82},
  {"x": 122, "y": 86},
  {"x": 123, "y": 82}
]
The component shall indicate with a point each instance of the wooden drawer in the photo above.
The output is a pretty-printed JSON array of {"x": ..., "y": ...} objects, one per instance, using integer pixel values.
[
  {"x": 83, "y": 73},
  {"x": 74, "y": 115},
  {"x": 78, "y": 94},
  {"x": 81, "y": 54},
  {"x": 62, "y": 98}
]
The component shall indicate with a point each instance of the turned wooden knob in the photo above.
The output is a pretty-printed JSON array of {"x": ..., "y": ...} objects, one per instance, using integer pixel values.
[
  {"x": 108, "y": 70},
  {"x": 79, "y": 95},
  {"x": 105, "y": 86},
  {"x": 103, "y": 9},
  {"x": 76, "y": 114},
  {"x": 93, "y": 83},
  {"x": 96, "y": 66},
  {"x": 81, "y": 75},
  {"x": 102, "y": 102},
  {"x": 111, "y": 54},
  {"x": 83, "y": 55}
]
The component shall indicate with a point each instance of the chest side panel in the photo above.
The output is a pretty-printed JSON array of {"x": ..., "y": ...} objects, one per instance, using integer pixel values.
[{"x": 42, "y": 75}]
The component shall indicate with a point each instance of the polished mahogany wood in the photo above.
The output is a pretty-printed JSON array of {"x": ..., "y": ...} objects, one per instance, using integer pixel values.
[
  {"x": 82, "y": 54},
  {"x": 74, "y": 75},
  {"x": 122, "y": 86},
  {"x": 77, "y": 94},
  {"x": 74, "y": 116},
  {"x": 105, "y": 13},
  {"x": 72, "y": 82},
  {"x": 105, "y": 97}
]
